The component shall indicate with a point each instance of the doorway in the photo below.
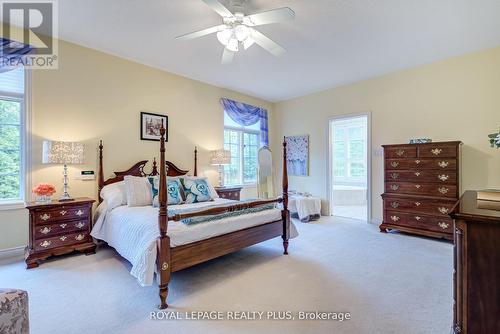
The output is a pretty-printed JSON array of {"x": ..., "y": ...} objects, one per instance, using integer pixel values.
[{"x": 349, "y": 161}]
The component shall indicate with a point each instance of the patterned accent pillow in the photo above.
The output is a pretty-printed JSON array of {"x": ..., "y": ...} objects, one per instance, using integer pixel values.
[
  {"x": 196, "y": 190},
  {"x": 174, "y": 190}
]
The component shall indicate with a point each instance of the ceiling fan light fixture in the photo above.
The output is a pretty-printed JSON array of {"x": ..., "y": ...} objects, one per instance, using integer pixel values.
[
  {"x": 224, "y": 36},
  {"x": 232, "y": 45},
  {"x": 242, "y": 32}
]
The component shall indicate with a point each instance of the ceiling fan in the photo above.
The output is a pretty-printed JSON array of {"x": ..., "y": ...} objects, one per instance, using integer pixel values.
[{"x": 237, "y": 29}]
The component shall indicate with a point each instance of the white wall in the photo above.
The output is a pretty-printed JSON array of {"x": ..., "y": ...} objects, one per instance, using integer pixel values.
[
  {"x": 455, "y": 99},
  {"x": 95, "y": 96}
]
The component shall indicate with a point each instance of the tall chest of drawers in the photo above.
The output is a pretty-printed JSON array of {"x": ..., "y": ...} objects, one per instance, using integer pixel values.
[
  {"x": 58, "y": 228},
  {"x": 422, "y": 184}
]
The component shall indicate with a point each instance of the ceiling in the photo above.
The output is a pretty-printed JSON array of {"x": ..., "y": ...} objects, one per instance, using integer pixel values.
[{"x": 330, "y": 43}]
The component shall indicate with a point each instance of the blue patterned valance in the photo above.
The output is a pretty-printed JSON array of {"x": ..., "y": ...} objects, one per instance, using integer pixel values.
[
  {"x": 246, "y": 114},
  {"x": 12, "y": 54}
]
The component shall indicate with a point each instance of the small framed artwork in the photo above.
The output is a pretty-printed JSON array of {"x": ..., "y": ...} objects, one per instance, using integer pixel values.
[
  {"x": 297, "y": 157},
  {"x": 151, "y": 125}
]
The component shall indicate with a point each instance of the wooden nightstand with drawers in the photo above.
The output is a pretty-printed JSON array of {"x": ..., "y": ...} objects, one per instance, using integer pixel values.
[
  {"x": 229, "y": 192},
  {"x": 58, "y": 228}
]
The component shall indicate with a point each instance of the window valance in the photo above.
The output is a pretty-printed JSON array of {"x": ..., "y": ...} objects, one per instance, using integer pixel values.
[{"x": 246, "y": 114}]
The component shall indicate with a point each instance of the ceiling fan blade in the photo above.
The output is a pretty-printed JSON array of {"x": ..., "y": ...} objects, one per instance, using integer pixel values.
[
  {"x": 218, "y": 8},
  {"x": 227, "y": 56},
  {"x": 270, "y": 16},
  {"x": 267, "y": 43},
  {"x": 248, "y": 43},
  {"x": 201, "y": 33}
]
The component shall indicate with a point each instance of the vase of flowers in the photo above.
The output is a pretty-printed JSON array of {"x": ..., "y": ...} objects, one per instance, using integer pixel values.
[{"x": 44, "y": 192}]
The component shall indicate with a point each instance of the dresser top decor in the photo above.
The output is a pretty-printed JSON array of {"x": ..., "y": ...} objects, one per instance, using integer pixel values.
[
  {"x": 422, "y": 183},
  {"x": 495, "y": 139}
]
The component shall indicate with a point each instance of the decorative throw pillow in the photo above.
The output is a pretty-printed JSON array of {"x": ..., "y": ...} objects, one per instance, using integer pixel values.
[
  {"x": 114, "y": 195},
  {"x": 138, "y": 191},
  {"x": 211, "y": 189},
  {"x": 174, "y": 190},
  {"x": 196, "y": 190}
]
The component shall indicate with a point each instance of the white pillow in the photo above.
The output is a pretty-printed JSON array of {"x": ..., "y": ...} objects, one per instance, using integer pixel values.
[
  {"x": 114, "y": 195},
  {"x": 213, "y": 193},
  {"x": 138, "y": 190}
]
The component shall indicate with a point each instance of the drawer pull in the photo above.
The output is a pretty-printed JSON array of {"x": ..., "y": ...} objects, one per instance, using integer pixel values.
[
  {"x": 418, "y": 162},
  {"x": 394, "y": 187},
  {"x": 417, "y": 203},
  {"x": 443, "y": 177},
  {"x": 417, "y": 173},
  {"x": 45, "y": 230},
  {"x": 63, "y": 238},
  {"x": 443, "y": 164},
  {"x": 79, "y": 225},
  {"x": 436, "y": 151},
  {"x": 443, "y": 190},
  {"x": 45, "y": 217},
  {"x": 443, "y": 210},
  {"x": 444, "y": 226},
  {"x": 394, "y": 164},
  {"x": 395, "y": 205},
  {"x": 79, "y": 213},
  {"x": 45, "y": 244},
  {"x": 63, "y": 225},
  {"x": 63, "y": 212},
  {"x": 417, "y": 218},
  {"x": 79, "y": 237},
  {"x": 400, "y": 152},
  {"x": 394, "y": 176},
  {"x": 395, "y": 218},
  {"x": 417, "y": 186}
]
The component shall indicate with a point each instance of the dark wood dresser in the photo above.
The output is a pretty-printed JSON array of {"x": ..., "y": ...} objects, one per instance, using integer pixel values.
[
  {"x": 229, "y": 192},
  {"x": 58, "y": 228},
  {"x": 422, "y": 184},
  {"x": 477, "y": 266}
]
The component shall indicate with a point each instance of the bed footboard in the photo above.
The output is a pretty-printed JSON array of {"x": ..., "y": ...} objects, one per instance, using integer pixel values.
[{"x": 170, "y": 259}]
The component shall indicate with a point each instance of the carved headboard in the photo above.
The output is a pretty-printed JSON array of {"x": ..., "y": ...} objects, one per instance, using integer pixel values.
[{"x": 138, "y": 170}]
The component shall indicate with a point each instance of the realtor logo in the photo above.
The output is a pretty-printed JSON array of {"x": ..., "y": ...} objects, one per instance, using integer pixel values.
[{"x": 29, "y": 34}]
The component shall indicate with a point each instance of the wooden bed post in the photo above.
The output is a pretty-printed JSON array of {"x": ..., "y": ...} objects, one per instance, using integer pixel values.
[
  {"x": 100, "y": 177},
  {"x": 163, "y": 241},
  {"x": 285, "y": 213},
  {"x": 195, "y": 161}
]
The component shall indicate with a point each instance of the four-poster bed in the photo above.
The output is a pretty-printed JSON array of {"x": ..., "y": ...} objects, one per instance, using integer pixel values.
[{"x": 170, "y": 258}]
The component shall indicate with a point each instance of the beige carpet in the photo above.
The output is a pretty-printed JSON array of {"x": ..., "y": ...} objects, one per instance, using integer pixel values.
[{"x": 390, "y": 283}]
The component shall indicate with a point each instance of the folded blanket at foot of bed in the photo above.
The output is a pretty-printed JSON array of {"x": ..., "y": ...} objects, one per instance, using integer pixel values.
[{"x": 208, "y": 218}]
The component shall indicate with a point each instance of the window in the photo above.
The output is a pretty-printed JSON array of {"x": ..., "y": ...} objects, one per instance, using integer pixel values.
[
  {"x": 12, "y": 132},
  {"x": 349, "y": 152},
  {"x": 244, "y": 143}
]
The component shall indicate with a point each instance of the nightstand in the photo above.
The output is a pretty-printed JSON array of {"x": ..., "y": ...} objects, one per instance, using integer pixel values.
[
  {"x": 229, "y": 192},
  {"x": 58, "y": 228}
]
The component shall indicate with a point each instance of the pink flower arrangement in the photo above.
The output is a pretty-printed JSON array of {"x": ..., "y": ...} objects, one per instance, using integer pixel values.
[{"x": 44, "y": 189}]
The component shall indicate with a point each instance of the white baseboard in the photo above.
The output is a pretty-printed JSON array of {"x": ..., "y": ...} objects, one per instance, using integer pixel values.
[{"x": 12, "y": 252}]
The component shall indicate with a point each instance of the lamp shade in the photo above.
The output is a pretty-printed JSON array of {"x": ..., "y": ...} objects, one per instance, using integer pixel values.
[
  {"x": 60, "y": 152},
  {"x": 220, "y": 157}
]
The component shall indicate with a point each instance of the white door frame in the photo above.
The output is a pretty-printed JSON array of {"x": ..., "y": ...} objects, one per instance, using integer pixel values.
[{"x": 368, "y": 160}]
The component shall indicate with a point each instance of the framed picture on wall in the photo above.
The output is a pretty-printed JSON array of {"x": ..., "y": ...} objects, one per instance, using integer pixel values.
[
  {"x": 151, "y": 125},
  {"x": 298, "y": 155}
]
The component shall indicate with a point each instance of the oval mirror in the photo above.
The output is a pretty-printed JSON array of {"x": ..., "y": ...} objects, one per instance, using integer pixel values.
[{"x": 265, "y": 182}]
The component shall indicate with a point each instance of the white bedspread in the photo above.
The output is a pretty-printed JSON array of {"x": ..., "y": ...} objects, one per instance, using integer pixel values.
[{"x": 133, "y": 231}]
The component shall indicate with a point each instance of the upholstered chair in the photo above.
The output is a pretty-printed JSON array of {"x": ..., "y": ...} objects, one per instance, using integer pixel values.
[{"x": 13, "y": 312}]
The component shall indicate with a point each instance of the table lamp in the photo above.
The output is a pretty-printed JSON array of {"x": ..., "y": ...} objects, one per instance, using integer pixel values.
[
  {"x": 220, "y": 158},
  {"x": 65, "y": 153}
]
